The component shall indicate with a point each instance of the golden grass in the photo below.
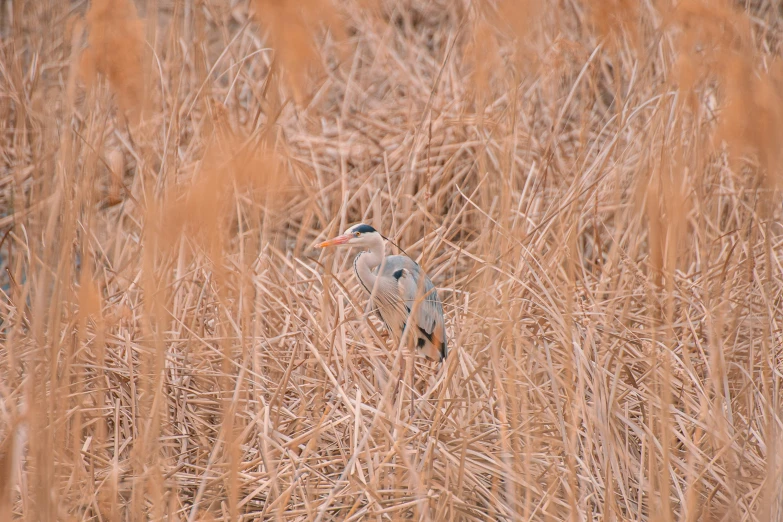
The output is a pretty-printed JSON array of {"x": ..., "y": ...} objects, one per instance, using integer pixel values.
[{"x": 593, "y": 186}]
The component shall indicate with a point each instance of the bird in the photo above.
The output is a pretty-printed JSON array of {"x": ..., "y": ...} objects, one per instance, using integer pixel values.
[{"x": 395, "y": 284}]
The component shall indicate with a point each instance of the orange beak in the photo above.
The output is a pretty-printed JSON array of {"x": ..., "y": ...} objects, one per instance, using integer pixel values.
[{"x": 339, "y": 240}]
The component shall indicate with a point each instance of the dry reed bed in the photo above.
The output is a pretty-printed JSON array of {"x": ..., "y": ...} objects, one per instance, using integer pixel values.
[{"x": 593, "y": 186}]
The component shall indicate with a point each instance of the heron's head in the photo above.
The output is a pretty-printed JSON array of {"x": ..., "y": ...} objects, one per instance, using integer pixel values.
[{"x": 360, "y": 235}]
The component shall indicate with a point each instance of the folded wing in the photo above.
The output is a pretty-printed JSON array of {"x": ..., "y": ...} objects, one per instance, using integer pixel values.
[{"x": 407, "y": 297}]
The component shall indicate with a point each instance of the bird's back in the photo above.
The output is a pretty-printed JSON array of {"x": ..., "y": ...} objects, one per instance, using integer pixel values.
[{"x": 401, "y": 282}]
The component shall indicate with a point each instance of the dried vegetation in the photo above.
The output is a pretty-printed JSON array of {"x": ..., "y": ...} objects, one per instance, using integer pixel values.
[{"x": 593, "y": 185}]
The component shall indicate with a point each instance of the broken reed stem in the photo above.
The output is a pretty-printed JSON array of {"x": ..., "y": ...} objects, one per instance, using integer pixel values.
[{"x": 600, "y": 220}]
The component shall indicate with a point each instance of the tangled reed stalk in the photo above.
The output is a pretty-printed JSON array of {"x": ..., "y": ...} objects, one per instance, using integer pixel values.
[{"x": 593, "y": 186}]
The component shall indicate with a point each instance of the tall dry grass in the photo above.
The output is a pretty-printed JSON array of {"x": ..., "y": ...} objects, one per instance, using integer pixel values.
[{"x": 593, "y": 186}]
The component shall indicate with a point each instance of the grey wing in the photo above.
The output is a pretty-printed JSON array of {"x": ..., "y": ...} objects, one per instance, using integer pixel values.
[
  {"x": 386, "y": 300},
  {"x": 428, "y": 327}
]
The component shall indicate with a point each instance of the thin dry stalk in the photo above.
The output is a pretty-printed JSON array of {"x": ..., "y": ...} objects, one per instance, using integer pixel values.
[{"x": 594, "y": 187}]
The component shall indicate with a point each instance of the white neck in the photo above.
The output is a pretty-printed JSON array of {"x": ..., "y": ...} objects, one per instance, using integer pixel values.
[{"x": 367, "y": 260}]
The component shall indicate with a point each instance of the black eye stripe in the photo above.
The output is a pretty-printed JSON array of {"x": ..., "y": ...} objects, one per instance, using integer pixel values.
[{"x": 363, "y": 228}]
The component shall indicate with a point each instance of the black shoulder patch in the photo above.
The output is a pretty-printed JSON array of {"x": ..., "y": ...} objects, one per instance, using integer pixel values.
[
  {"x": 363, "y": 228},
  {"x": 398, "y": 274},
  {"x": 426, "y": 334}
]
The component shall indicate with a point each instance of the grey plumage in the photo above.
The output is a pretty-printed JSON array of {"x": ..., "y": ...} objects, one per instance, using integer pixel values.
[
  {"x": 401, "y": 294},
  {"x": 394, "y": 299}
]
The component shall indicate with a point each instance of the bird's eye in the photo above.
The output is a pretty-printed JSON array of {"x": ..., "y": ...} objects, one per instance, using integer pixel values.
[{"x": 357, "y": 234}]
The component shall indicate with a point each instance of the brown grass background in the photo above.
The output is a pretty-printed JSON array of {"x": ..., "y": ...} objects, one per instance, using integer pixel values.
[{"x": 592, "y": 185}]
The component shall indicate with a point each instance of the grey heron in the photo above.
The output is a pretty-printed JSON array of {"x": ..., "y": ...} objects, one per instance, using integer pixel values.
[{"x": 395, "y": 284}]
